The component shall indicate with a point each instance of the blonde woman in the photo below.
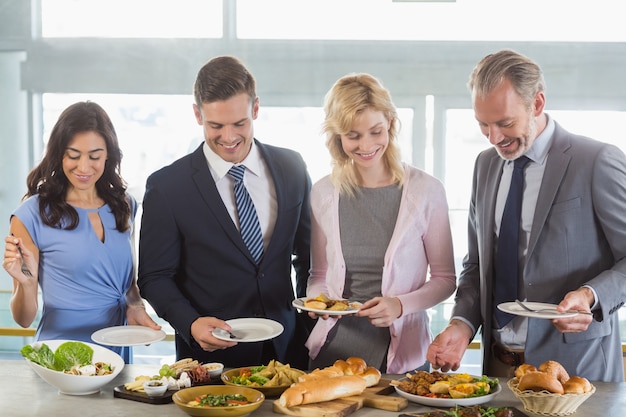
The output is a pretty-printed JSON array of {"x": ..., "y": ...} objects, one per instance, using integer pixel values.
[{"x": 379, "y": 226}]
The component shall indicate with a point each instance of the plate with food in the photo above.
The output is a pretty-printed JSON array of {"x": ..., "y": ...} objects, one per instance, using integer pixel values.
[
  {"x": 439, "y": 389},
  {"x": 271, "y": 379},
  {"x": 249, "y": 330},
  {"x": 130, "y": 335},
  {"x": 324, "y": 305}
]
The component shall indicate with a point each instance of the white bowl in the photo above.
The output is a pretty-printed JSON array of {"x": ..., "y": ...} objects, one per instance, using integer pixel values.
[
  {"x": 215, "y": 369},
  {"x": 79, "y": 384},
  {"x": 154, "y": 388}
]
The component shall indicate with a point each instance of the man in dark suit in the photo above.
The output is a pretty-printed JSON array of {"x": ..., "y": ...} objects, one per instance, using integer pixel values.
[
  {"x": 194, "y": 266},
  {"x": 571, "y": 245}
]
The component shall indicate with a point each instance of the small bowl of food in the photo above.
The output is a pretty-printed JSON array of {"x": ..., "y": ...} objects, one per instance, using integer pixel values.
[
  {"x": 73, "y": 367},
  {"x": 215, "y": 369},
  {"x": 218, "y": 400},
  {"x": 154, "y": 388}
]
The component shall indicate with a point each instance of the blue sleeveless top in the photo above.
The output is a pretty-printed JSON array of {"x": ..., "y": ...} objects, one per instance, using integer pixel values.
[{"x": 83, "y": 281}]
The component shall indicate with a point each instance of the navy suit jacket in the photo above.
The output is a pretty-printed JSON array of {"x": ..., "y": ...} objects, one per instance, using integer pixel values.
[{"x": 193, "y": 261}]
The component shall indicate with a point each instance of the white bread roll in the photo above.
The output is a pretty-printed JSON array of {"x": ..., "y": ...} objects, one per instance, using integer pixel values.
[
  {"x": 555, "y": 369},
  {"x": 523, "y": 368},
  {"x": 325, "y": 373},
  {"x": 351, "y": 366},
  {"x": 315, "y": 304},
  {"x": 371, "y": 375},
  {"x": 576, "y": 385},
  {"x": 540, "y": 381},
  {"x": 323, "y": 390}
]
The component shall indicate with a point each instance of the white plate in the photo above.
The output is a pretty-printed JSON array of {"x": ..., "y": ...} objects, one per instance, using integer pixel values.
[
  {"x": 127, "y": 336},
  {"x": 448, "y": 402},
  {"x": 550, "y": 313},
  {"x": 299, "y": 303},
  {"x": 250, "y": 330}
]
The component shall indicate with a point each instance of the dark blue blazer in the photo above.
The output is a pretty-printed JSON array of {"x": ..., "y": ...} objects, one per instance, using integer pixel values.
[{"x": 193, "y": 262}]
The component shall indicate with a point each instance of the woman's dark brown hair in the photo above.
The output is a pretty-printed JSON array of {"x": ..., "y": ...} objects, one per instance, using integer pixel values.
[{"x": 49, "y": 181}]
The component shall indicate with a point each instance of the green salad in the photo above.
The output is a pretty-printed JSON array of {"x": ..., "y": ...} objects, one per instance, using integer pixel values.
[{"x": 68, "y": 355}]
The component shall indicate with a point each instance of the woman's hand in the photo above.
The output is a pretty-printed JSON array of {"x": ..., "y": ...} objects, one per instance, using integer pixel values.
[
  {"x": 381, "y": 311},
  {"x": 13, "y": 261},
  {"x": 136, "y": 314}
]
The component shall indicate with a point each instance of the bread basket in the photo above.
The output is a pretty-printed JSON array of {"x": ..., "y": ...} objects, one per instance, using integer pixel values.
[{"x": 547, "y": 403}]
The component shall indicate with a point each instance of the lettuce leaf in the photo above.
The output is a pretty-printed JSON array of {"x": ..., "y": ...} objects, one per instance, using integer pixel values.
[
  {"x": 66, "y": 356},
  {"x": 42, "y": 355},
  {"x": 72, "y": 354}
]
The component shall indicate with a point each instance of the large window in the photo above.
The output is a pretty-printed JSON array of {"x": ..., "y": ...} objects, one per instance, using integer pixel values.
[{"x": 132, "y": 19}]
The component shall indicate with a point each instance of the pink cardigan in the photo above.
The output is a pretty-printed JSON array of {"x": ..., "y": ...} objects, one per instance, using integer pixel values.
[{"x": 421, "y": 238}]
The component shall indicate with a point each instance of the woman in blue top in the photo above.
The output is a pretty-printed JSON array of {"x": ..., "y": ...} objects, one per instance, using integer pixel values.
[{"x": 75, "y": 231}]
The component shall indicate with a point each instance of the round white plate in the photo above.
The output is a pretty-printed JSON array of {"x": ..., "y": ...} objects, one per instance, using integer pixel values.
[
  {"x": 250, "y": 330},
  {"x": 299, "y": 303},
  {"x": 448, "y": 402},
  {"x": 549, "y": 313},
  {"x": 127, "y": 336}
]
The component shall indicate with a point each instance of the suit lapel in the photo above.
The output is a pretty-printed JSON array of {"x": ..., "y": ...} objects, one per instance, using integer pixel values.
[
  {"x": 492, "y": 177},
  {"x": 556, "y": 165},
  {"x": 206, "y": 187}
]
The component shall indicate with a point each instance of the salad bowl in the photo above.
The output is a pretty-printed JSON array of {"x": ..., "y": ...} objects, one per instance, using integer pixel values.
[{"x": 71, "y": 384}]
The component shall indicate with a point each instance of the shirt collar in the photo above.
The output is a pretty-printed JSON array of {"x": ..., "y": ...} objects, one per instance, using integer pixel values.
[
  {"x": 220, "y": 167},
  {"x": 538, "y": 152}
]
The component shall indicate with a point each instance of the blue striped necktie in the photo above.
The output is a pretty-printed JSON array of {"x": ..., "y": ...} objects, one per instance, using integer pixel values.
[
  {"x": 248, "y": 221},
  {"x": 507, "y": 270}
]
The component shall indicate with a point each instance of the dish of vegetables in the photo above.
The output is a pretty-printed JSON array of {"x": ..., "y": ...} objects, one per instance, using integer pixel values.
[{"x": 271, "y": 379}]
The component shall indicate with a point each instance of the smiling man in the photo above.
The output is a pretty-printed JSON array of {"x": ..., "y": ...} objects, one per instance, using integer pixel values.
[
  {"x": 222, "y": 228},
  {"x": 566, "y": 244}
]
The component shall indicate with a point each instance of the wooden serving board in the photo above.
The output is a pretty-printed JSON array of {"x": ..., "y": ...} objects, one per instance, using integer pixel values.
[{"x": 373, "y": 397}]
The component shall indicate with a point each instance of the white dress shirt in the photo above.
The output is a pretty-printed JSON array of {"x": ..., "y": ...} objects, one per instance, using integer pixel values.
[{"x": 257, "y": 180}]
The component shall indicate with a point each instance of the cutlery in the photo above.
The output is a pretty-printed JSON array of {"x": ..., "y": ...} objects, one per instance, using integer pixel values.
[
  {"x": 24, "y": 268},
  {"x": 550, "y": 310},
  {"x": 232, "y": 335}
]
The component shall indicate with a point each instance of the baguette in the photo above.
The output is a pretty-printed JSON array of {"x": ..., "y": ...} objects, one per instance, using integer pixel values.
[
  {"x": 351, "y": 366},
  {"x": 322, "y": 390}
]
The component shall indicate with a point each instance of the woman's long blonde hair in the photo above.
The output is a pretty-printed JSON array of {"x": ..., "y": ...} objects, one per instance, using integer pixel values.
[{"x": 348, "y": 97}]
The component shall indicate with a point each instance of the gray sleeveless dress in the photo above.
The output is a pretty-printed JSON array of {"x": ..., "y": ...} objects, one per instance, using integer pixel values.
[{"x": 366, "y": 223}]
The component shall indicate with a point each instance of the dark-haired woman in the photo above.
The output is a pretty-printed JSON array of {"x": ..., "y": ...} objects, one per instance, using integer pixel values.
[{"x": 75, "y": 231}]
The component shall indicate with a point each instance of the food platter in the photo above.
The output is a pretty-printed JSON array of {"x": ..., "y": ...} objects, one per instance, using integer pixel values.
[
  {"x": 448, "y": 402},
  {"x": 548, "y": 310},
  {"x": 299, "y": 303},
  {"x": 127, "y": 336},
  {"x": 250, "y": 330}
]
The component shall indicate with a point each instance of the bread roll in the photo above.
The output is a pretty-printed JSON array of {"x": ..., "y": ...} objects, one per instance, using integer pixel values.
[
  {"x": 325, "y": 373},
  {"x": 322, "y": 390},
  {"x": 576, "y": 385},
  {"x": 555, "y": 369},
  {"x": 539, "y": 381},
  {"x": 344, "y": 366},
  {"x": 371, "y": 375},
  {"x": 523, "y": 368},
  {"x": 357, "y": 365},
  {"x": 315, "y": 304}
]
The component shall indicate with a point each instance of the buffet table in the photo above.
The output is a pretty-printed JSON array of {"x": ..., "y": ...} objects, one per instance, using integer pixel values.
[{"x": 25, "y": 394}]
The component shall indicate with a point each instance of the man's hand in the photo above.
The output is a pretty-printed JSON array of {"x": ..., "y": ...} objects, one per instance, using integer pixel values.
[
  {"x": 202, "y": 329},
  {"x": 580, "y": 300},
  {"x": 446, "y": 351}
]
